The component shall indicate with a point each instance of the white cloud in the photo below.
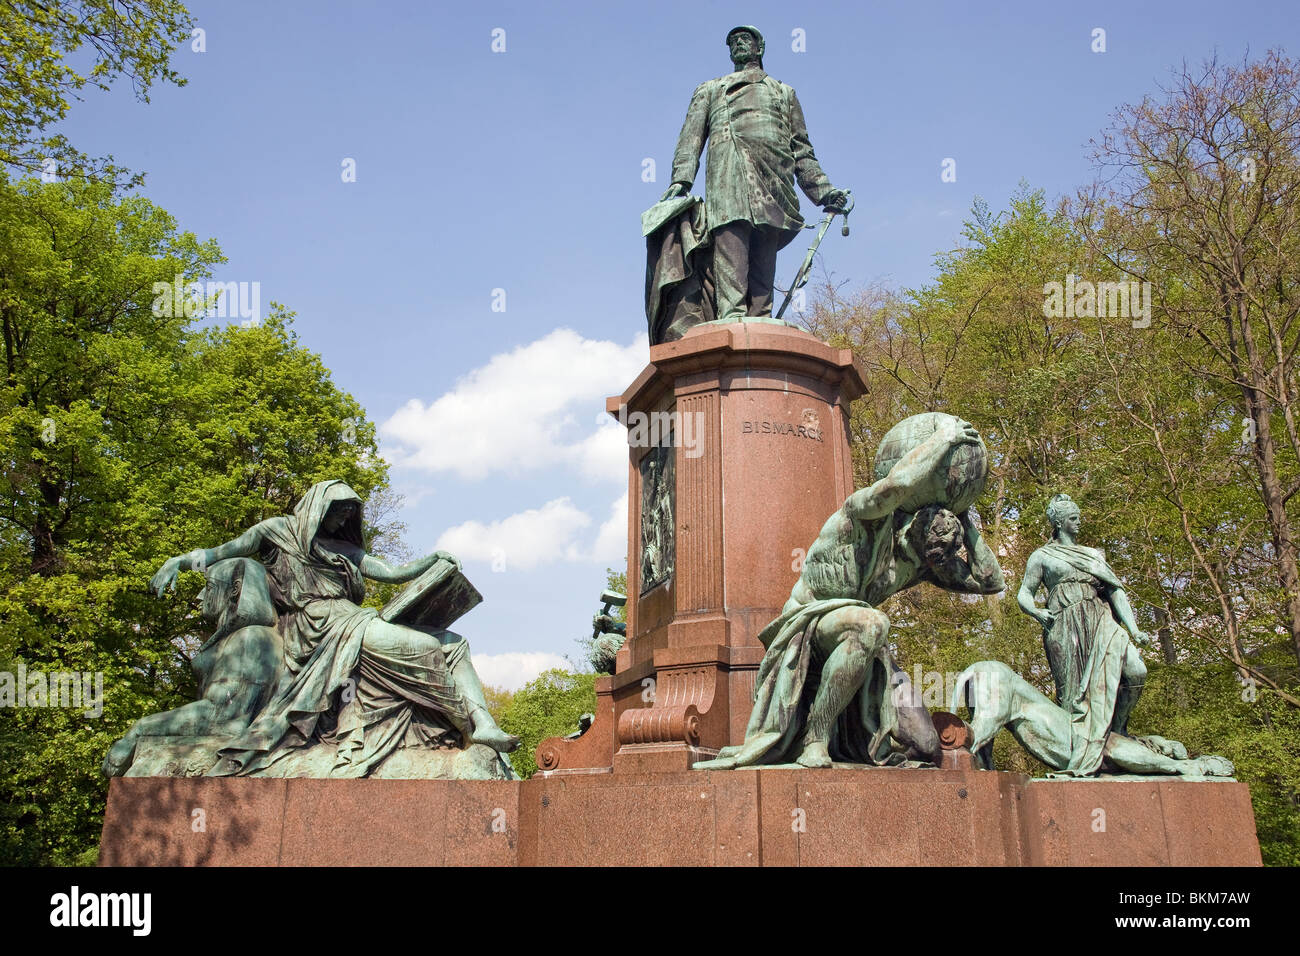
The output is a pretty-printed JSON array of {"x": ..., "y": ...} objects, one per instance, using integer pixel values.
[
  {"x": 530, "y": 408},
  {"x": 513, "y": 669},
  {"x": 413, "y": 493},
  {"x": 544, "y": 535},
  {"x": 602, "y": 455},
  {"x": 522, "y": 541},
  {"x": 611, "y": 540}
]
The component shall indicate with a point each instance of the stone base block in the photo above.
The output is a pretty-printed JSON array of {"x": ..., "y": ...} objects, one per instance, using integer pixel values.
[
  {"x": 1139, "y": 823},
  {"x": 842, "y": 816},
  {"x": 222, "y": 821}
]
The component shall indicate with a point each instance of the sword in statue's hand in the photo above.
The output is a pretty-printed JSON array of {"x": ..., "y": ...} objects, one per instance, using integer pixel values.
[{"x": 801, "y": 278}]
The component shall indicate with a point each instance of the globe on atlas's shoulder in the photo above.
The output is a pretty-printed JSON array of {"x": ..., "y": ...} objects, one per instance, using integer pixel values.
[{"x": 967, "y": 464}]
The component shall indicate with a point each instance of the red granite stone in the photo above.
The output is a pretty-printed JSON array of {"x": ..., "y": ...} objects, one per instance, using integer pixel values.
[
  {"x": 1001, "y": 834},
  {"x": 736, "y": 818},
  {"x": 948, "y": 831},
  {"x": 778, "y": 795},
  {"x": 617, "y": 820},
  {"x": 1115, "y": 822},
  {"x": 482, "y": 826},
  {"x": 858, "y": 822},
  {"x": 1209, "y": 824},
  {"x": 365, "y": 823},
  {"x": 594, "y": 750},
  {"x": 772, "y": 406},
  {"x": 843, "y": 816},
  {"x": 954, "y": 733},
  {"x": 192, "y": 821}
]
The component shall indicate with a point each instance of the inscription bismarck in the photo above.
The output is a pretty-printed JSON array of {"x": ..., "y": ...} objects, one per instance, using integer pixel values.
[{"x": 809, "y": 428}]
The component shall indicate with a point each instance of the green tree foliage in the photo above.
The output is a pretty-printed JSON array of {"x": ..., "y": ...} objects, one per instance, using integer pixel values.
[
  {"x": 548, "y": 706},
  {"x": 1126, "y": 421},
  {"x": 127, "y": 437},
  {"x": 54, "y": 49},
  {"x": 1199, "y": 196},
  {"x": 1208, "y": 709},
  {"x": 498, "y": 699}
]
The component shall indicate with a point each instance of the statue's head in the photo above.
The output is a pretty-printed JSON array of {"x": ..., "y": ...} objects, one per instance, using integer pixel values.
[
  {"x": 745, "y": 44},
  {"x": 222, "y": 585},
  {"x": 935, "y": 534},
  {"x": 1064, "y": 514},
  {"x": 340, "y": 514},
  {"x": 236, "y": 594},
  {"x": 329, "y": 508}
]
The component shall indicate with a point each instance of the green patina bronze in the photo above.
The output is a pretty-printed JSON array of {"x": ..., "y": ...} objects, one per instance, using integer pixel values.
[
  {"x": 352, "y": 691},
  {"x": 658, "y": 537},
  {"x": 237, "y": 667},
  {"x": 1091, "y": 638},
  {"x": 912, "y": 525},
  {"x": 608, "y": 635},
  {"x": 716, "y": 261},
  {"x": 1000, "y": 698}
]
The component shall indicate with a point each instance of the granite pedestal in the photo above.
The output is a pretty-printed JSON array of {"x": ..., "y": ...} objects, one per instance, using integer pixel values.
[{"x": 843, "y": 816}]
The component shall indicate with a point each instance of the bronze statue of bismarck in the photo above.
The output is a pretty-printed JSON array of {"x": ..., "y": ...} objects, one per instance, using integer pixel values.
[{"x": 758, "y": 148}]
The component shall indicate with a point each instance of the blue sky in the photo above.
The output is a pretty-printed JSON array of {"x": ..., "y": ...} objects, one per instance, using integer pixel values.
[{"x": 522, "y": 171}]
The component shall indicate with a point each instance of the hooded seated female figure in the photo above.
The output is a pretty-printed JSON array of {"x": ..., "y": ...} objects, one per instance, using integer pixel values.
[{"x": 352, "y": 679}]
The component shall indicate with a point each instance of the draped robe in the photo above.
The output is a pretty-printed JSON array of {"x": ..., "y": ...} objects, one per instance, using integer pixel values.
[
  {"x": 365, "y": 697},
  {"x": 859, "y": 572},
  {"x": 1085, "y": 647}
]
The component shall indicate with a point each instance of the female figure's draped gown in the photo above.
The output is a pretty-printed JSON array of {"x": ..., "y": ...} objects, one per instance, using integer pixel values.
[
  {"x": 1085, "y": 647},
  {"x": 350, "y": 680}
]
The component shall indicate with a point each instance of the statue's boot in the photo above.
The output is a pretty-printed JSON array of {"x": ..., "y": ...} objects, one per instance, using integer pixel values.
[{"x": 845, "y": 670}]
